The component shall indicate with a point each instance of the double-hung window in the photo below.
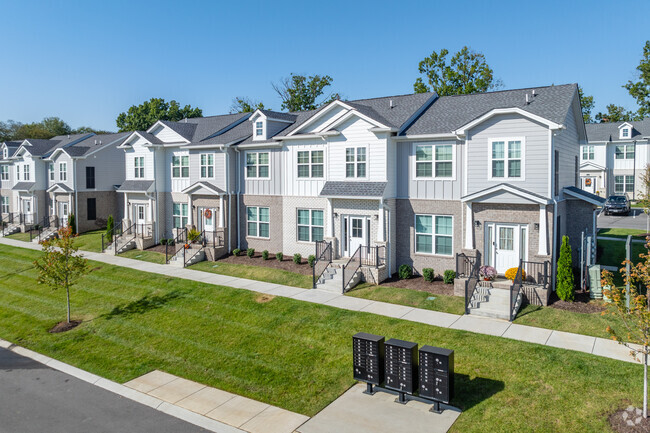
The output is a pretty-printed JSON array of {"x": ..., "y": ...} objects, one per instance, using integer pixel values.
[
  {"x": 506, "y": 157},
  {"x": 4, "y": 172},
  {"x": 258, "y": 219},
  {"x": 433, "y": 234},
  {"x": 624, "y": 151},
  {"x": 138, "y": 164},
  {"x": 259, "y": 129},
  {"x": 310, "y": 163},
  {"x": 179, "y": 215},
  {"x": 26, "y": 171},
  {"x": 623, "y": 184},
  {"x": 63, "y": 171},
  {"x": 355, "y": 162},
  {"x": 588, "y": 153},
  {"x": 5, "y": 204},
  {"x": 433, "y": 161},
  {"x": 17, "y": 173},
  {"x": 180, "y": 167},
  {"x": 257, "y": 165},
  {"x": 50, "y": 169},
  {"x": 310, "y": 225},
  {"x": 207, "y": 165},
  {"x": 90, "y": 178}
]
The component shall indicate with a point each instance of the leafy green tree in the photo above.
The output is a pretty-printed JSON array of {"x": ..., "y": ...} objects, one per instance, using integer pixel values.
[
  {"x": 615, "y": 113},
  {"x": 61, "y": 266},
  {"x": 110, "y": 224},
  {"x": 8, "y": 130},
  {"x": 300, "y": 93},
  {"x": 56, "y": 126},
  {"x": 141, "y": 117},
  {"x": 245, "y": 105},
  {"x": 89, "y": 130},
  {"x": 72, "y": 223},
  {"x": 565, "y": 283},
  {"x": 640, "y": 89},
  {"x": 587, "y": 104},
  {"x": 466, "y": 72}
]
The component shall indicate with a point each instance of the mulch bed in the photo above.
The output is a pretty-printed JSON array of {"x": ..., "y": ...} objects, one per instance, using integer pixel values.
[
  {"x": 286, "y": 264},
  {"x": 437, "y": 287},
  {"x": 629, "y": 421},
  {"x": 159, "y": 249},
  {"x": 64, "y": 326},
  {"x": 582, "y": 304}
]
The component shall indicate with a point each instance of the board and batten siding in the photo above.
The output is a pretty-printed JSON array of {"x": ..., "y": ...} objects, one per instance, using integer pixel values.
[
  {"x": 218, "y": 179},
  {"x": 138, "y": 150},
  {"x": 60, "y": 158},
  {"x": 408, "y": 186},
  {"x": 535, "y": 158},
  {"x": 566, "y": 142},
  {"x": 295, "y": 186},
  {"x": 270, "y": 186}
]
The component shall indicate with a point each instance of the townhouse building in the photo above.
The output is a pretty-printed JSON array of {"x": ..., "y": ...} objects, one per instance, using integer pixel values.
[{"x": 613, "y": 159}]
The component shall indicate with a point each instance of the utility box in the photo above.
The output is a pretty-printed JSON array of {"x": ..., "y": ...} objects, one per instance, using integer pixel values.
[
  {"x": 595, "y": 289},
  {"x": 401, "y": 366},
  {"x": 436, "y": 374},
  {"x": 368, "y": 358}
]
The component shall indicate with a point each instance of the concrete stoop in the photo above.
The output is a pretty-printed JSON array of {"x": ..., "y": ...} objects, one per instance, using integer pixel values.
[
  {"x": 45, "y": 235},
  {"x": 10, "y": 230},
  {"x": 491, "y": 301},
  {"x": 332, "y": 280},
  {"x": 197, "y": 255},
  {"x": 122, "y": 245}
]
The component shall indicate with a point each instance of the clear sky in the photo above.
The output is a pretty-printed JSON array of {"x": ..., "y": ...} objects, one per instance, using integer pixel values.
[{"x": 86, "y": 61}]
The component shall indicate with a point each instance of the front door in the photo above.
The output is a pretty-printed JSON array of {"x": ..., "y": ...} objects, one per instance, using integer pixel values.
[
  {"x": 28, "y": 211},
  {"x": 357, "y": 233},
  {"x": 506, "y": 244},
  {"x": 207, "y": 219},
  {"x": 589, "y": 184},
  {"x": 63, "y": 214},
  {"x": 140, "y": 218}
]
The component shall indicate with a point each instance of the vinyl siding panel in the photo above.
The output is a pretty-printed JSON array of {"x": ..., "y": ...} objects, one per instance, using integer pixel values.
[
  {"x": 354, "y": 133},
  {"x": 109, "y": 169},
  {"x": 137, "y": 150},
  {"x": 567, "y": 143},
  {"x": 295, "y": 186},
  {"x": 167, "y": 135},
  {"x": 324, "y": 119},
  {"x": 218, "y": 179},
  {"x": 270, "y": 186}
]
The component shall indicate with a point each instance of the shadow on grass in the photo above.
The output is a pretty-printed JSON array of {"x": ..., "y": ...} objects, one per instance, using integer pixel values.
[
  {"x": 17, "y": 272},
  {"x": 145, "y": 304},
  {"x": 470, "y": 392}
]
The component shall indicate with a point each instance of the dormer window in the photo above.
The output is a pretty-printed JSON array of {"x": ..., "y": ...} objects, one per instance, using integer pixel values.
[
  {"x": 625, "y": 132},
  {"x": 259, "y": 129},
  {"x": 5, "y": 154}
]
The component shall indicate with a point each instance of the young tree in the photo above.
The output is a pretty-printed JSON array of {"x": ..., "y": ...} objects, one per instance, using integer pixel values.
[
  {"x": 141, "y": 117},
  {"x": 615, "y": 113},
  {"x": 72, "y": 223},
  {"x": 467, "y": 72},
  {"x": 634, "y": 332},
  {"x": 640, "y": 89},
  {"x": 587, "y": 104},
  {"x": 110, "y": 224},
  {"x": 61, "y": 266},
  {"x": 565, "y": 283},
  {"x": 299, "y": 93},
  {"x": 245, "y": 105}
]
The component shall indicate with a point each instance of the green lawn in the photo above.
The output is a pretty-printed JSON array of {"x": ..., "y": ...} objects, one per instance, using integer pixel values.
[
  {"x": 409, "y": 297},
  {"x": 147, "y": 256},
  {"x": 19, "y": 237},
  {"x": 91, "y": 241},
  {"x": 260, "y": 273},
  {"x": 612, "y": 253},
  {"x": 620, "y": 233}
]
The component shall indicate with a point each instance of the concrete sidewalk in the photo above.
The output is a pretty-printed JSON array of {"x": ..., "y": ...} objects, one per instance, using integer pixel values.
[{"x": 480, "y": 325}]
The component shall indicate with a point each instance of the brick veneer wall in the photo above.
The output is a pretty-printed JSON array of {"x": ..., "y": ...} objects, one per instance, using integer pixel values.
[
  {"x": 577, "y": 216},
  {"x": 363, "y": 208},
  {"x": 274, "y": 203},
  {"x": 290, "y": 206}
]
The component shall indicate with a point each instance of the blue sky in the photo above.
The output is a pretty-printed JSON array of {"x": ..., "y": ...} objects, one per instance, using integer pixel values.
[{"x": 86, "y": 61}]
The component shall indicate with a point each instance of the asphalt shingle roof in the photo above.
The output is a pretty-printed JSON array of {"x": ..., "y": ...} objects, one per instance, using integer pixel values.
[
  {"x": 609, "y": 131},
  {"x": 135, "y": 185},
  {"x": 279, "y": 115},
  {"x": 24, "y": 186},
  {"x": 353, "y": 189},
  {"x": 93, "y": 142}
]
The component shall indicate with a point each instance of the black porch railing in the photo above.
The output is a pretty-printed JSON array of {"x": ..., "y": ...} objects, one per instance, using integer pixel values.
[
  {"x": 126, "y": 233},
  {"x": 472, "y": 275},
  {"x": 7, "y": 220},
  {"x": 515, "y": 291},
  {"x": 465, "y": 264},
  {"x": 537, "y": 273},
  {"x": 373, "y": 256},
  {"x": 172, "y": 248},
  {"x": 323, "y": 260},
  {"x": 200, "y": 240},
  {"x": 350, "y": 268}
]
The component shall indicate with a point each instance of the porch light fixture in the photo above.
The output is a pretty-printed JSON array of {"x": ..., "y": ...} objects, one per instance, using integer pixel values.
[
  {"x": 536, "y": 226},
  {"x": 477, "y": 224},
  {"x": 376, "y": 217},
  {"x": 336, "y": 215}
]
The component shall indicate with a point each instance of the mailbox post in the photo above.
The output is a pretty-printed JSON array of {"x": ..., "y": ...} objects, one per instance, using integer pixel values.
[
  {"x": 401, "y": 367},
  {"x": 436, "y": 375},
  {"x": 368, "y": 359}
]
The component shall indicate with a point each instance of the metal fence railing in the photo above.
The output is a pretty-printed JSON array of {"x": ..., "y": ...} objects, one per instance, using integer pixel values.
[
  {"x": 465, "y": 264},
  {"x": 323, "y": 259},
  {"x": 515, "y": 290},
  {"x": 472, "y": 278},
  {"x": 350, "y": 268}
]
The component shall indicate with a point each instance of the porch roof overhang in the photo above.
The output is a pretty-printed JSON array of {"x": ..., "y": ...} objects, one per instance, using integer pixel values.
[
  {"x": 591, "y": 166},
  {"x": 506, "y": 188},
  {"x": 136, "y": 186},
  {"x": 24, "y": 186},
  {"x": 60, "y": 187},
  {"x": 580, "y": 194},
  {"x": 353, "y": 190},
  {"x": 203, "y": 187}
]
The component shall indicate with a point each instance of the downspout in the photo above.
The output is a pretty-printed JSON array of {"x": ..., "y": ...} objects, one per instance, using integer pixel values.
[
  {"x": 76, "y": 201},
  {"x": 238, "y": 191},
  {"x": 553, "y": 187},
  {"x": 155, "y": 200},
  {"x": 223, "y": 149}
]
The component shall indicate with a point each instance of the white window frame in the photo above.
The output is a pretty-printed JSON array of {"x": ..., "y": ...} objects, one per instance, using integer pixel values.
[
  {"x": 258, "y": 222},
  {"x": 310, "y": 225},
  {"x": 625, "y": 183},
  {"x": 626, "y": 154},
  {"x": 63, "y": 171},
  {"x": 50, "y": 170},
  {"x": 257, "y": 165},
  {"x": 26, "y": 172},
  {"x": 590, "y": 152},
  {"x": 309, "y": 164},
  {"x": 356, "y": 162},
  {"x": 4, "y": 172},
  {"x": 433, "y": 235},
  {"x": 624, "y": 131},
  {"x": 138, "y": 167},
  {"x": 506, "y": 173},
  {"x": 17, "y": 172},
  {"x": 181, "y": 167},
  {"x": 207, "y": 166},
  {"x": 182, "y": 216},
  {"x": 433, "y": 161},
  {"x": 5, "y": 153},
  {"x": 4, "y": 205},
  {"x": 259, "y": 129}
]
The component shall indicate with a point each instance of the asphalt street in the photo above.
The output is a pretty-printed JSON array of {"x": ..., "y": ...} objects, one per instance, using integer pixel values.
[
  {"x": 36, "y": 398},
  {"x": 636, "y": 220}
]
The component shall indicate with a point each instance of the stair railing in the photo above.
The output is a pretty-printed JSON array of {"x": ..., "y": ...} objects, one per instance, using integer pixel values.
[
  {"x": 323, "y": 260},
  {"x": 130, "y": 230},
  {"x": 178, "y": 243},
  {"x": 201, "y": 241},
  {"x": 515, "y": 290},
  {"x": 351, "y": 268},
  {"x": 472, "y": 279}
]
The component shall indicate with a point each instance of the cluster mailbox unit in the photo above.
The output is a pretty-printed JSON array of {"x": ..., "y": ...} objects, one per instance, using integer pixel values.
[{"x": 397, "y": 361}]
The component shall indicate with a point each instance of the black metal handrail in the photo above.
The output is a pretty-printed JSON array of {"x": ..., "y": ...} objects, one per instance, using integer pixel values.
[
  {"x": 180, "y": 239},
  {"x": 107, "y": 239},
  {"x": 465, "y": 264},
  {"x": 350, "y": 268},
  {"x": 472, "y": 280},
  {"x": 38, "y": 227},
  {"x": 201, "y": 241},
  {"x": 214, "y": 239},
  {"x": 515, "y": 290},
  {"x": 144, "y": 231},
  {"x": 537, "y": 273},
  {"x": 373, "y": 256},
  {"x": 323, "y": 260},
  {"x": 130, "y": 230},
  {"x": 7, "y": 220}
]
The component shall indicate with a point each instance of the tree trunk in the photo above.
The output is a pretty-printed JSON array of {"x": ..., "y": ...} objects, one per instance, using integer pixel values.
[
  {"x": 67, "y": 293},
  {"x": 645, "y": 382}
]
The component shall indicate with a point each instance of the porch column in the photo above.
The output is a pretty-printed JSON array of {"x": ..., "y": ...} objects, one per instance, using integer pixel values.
[
  {"x": 380, "y": 223},
  {"x": 190, "y": 214},
  {"x": 221, "y": 216},
  {"x": 469, "y": 231},
  {"x": 543, "y": 238},
  {"x": 126, "y": 207},
  {"x": 149, "y": 211},
  {"x": 330, "y": 219}
]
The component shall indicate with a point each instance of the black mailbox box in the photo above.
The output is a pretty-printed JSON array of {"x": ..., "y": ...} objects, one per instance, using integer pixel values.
[
  {"x": 368, "y": 358},
  {"x": 436, "y": 373},
  {"x": 401, "y": 366}
]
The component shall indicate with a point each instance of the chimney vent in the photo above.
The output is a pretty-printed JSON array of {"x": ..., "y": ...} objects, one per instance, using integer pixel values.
[
  {"x": 527, "y": 99},
  {"x": 391, "y": 104},
  {"x": 534, "y": 92}
]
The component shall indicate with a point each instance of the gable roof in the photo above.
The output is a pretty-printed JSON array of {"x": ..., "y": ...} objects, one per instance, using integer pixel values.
[
  {"x": 506, "y": 187},
  {"x": 90, "y": 144},
  {"x": 584, "y": 195},
  {"x": 353, "y": 189},
  {"x": 609, "y": 131}
]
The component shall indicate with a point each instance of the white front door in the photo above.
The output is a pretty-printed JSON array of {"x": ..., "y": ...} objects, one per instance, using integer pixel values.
[
  {"x": 140, "y": 217},
  {"x": 207, "y": 219},
  {"x": 505, "y": 245},
  {"x": 28, "y": 211},
  {"x": 357, "y": 233},
  {"x": 589, "y": 184},
  {"x": 63, "y": 214}
]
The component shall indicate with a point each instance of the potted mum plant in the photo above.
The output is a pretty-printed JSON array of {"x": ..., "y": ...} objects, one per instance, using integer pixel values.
[{"x": 487, "y": 273}]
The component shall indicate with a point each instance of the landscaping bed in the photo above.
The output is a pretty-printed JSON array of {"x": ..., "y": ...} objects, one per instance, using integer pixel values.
[
  {"x": 286, "y": 264},
  {"x": 582, "y": 304},
  {"x": 437, "y": 287}
]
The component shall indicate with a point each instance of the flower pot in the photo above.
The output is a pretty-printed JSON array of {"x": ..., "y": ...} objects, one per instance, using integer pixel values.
[{"x": 187, "y": 246}]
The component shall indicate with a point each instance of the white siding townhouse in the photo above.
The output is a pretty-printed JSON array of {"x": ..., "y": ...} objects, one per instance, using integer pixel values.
[{"x": 614, "y": 157}]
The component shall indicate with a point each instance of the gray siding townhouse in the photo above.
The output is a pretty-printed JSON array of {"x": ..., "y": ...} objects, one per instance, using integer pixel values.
[{"x": 613, "y": 159}]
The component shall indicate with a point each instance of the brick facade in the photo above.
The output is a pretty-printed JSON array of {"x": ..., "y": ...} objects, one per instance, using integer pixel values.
[
  {"x": 276, "y": 229},
  {"x": 290, "y": 206}
]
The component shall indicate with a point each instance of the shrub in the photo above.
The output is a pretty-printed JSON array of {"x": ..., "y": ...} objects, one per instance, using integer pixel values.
[
  {"x": 163, "y": 241},
  {"x": 193, "y": 235},
  {"x": 449, "y": 276},
  {"x": 511, "y": 274},
  {"x": 265, "y": 255},
  {"x": 565, "y": 281},
  {"x": 311, "y": 260},
  {"x": 250, "y": 252},
  {"x": 405, "y": 272},
  {"x": 297, "y": 258},
  {"x": 236, "y": 252},
  {"x": 428, "y": 274},
  {"x": 72, "y": 224},
  {"x": 279, "y": 256},
  {"x": 487, "y": 272},
  {"x": 110, "y": 224}
]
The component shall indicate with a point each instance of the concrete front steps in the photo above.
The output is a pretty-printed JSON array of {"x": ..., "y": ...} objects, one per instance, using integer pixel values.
[
  {"x": 332, "y": 279},
  {"x": 46, "y": 234},
  {"x": 193, "y": 255},
  {"x": 10, "y": 230},
  {"x": 122, "y": 245},
  {"x": 492, "y": 300}
]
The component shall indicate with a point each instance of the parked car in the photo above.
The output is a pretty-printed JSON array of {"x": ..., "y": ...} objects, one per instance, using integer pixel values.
[{"x": 618, "y": 204}]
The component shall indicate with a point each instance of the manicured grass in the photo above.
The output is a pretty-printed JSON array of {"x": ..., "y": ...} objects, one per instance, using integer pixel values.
[
  {"x": 293, "y": 354},
  {"x": 411, "y": 298},
  {"x": 612, "y": 253},
  {"x": 146, "y": 256},
  {"x": 19, "y": 237},
  {"x": 91, "y": 241},
  {"x": 620, "y": 233},
  {"x": 260, "y": 273}
]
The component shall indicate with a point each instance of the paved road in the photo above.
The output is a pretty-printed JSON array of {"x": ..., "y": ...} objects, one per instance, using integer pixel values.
[
  {"x": 35, "y": 398},
  {"x": 636, "y": 220}
]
